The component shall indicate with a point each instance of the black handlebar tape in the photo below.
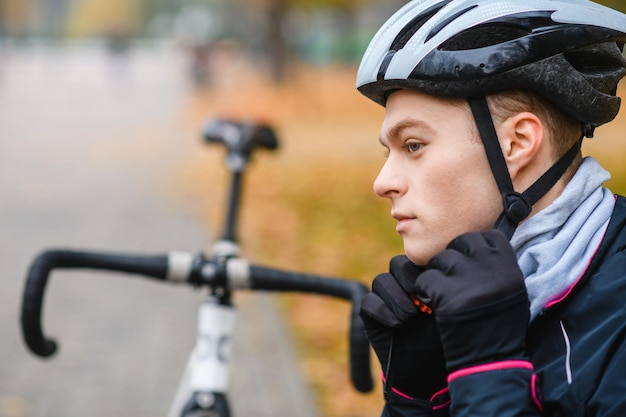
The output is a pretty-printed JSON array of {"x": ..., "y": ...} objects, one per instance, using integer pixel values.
[
  {"x": 37, "y": 278},
  {"x": 275, "y": 280}
]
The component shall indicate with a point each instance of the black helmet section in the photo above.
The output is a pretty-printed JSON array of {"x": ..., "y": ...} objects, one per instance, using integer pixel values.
[
  {"x": 517, "y": 206},
  {"x": 581, "y": 82}
]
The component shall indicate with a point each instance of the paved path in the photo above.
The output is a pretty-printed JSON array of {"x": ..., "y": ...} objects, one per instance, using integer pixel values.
[{"x": 88, "y": 152}]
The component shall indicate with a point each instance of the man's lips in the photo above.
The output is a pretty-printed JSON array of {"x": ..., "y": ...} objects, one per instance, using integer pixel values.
[{"x": 403, "y": 221}]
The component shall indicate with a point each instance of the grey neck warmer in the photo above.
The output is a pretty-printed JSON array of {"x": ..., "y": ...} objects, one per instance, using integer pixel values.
[{"x": 555, "y": 246}]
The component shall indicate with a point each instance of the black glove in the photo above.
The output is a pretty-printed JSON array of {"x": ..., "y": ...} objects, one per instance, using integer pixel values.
[
  {"x": 405, "y": 339},
  {"x": 479, "y": 297}
]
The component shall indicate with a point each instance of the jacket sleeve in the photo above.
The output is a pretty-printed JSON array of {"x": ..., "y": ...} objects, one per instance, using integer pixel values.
[{"x": 499, "y": 389}]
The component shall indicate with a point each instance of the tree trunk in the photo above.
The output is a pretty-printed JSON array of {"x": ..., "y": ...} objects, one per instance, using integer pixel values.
[{"x": 277, "y": 13}]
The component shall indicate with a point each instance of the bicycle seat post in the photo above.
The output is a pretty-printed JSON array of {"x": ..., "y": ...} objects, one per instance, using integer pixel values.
[
  {"x": 232, "y": 208},
  {"x": 240, "y": 140}
]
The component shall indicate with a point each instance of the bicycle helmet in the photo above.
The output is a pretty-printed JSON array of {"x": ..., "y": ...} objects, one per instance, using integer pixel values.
[{"x": 567, "y": 51}]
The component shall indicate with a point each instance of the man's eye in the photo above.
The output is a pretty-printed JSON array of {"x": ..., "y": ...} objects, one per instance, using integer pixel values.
[{"x": 414, "y": 146}]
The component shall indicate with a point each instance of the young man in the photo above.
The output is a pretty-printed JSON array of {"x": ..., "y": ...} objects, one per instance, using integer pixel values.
[{"x": 510, "y": 300}]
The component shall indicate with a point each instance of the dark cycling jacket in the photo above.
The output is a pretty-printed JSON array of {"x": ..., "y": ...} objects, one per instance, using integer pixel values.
[{"x": 577, "y": 351}]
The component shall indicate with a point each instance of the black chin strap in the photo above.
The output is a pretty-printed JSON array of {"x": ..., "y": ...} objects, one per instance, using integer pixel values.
[{"x": 517, "y": 206}]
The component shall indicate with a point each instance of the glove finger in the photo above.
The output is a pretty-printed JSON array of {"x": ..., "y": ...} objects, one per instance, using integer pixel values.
[
  {"x": 398, "y": 300},
  {"x": 431, "y": 287},
  {"x": 468, "y": 243},
  {"x": 374, "y": 308},
  {"x": 496, "y": 240},
  {"x": 446, "y": 261},
  {"x": 405, "y": 272}
]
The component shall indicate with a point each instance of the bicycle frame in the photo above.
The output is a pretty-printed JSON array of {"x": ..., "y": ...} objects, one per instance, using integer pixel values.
[
  {"x": 204, "y": 384},
  {"x": 203, "y": 389},
  {"x": 206, "y": 379}
]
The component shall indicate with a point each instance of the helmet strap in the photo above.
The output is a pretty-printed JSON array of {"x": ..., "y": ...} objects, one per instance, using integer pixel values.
[{"x": 517, "y": 206}]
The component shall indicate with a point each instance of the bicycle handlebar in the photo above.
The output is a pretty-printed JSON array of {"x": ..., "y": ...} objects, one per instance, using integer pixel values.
[{"x": 229, "y": 273}]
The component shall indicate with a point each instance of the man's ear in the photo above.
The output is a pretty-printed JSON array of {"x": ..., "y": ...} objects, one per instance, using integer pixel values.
[{"x": 521, "y": 137}]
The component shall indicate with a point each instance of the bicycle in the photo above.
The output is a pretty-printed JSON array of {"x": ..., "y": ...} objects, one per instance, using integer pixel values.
[{"x": 203, "y": 390}]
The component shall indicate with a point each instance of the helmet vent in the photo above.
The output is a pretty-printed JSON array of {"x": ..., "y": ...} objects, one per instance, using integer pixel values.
[
  {"x": 480, "y": 37},
  {"x": 589, "y": 59},
  {"x": 601, "y": 64},
  {"x": 415, "y": 24},
  {"x": 447, "y": 21},
  {"x": 499, "y": 31}
]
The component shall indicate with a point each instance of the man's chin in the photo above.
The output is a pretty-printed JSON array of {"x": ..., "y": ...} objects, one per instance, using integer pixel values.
[
  {"x": 420, "y": 252},
  {"x": 417, "y": 257}
]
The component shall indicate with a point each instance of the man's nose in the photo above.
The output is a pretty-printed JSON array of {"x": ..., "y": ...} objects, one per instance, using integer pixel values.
[{"x": 389, "y": 181}]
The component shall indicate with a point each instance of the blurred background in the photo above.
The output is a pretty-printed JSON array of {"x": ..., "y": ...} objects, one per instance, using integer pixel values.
[
  {"x": 273, "y": 32},
  {"x": 102, "y": 104}
]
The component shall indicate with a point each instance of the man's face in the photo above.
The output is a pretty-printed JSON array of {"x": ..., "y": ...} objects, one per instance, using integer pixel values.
[{"x": 436, "y": 173}]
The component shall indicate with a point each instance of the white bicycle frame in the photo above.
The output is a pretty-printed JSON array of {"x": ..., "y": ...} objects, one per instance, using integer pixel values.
[
  {"x": 204, "y": 385},
  {"x": 208, "y": 372}
]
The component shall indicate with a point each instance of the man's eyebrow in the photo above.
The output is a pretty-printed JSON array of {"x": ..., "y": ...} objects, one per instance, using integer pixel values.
[{"x": 395, "y": 131}]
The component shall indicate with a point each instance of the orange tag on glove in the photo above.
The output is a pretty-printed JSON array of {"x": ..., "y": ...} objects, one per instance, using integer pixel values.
[{"x": 422, "y": 307}]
